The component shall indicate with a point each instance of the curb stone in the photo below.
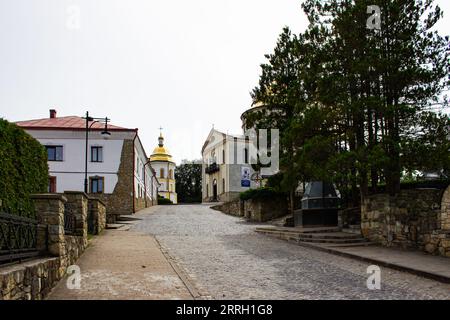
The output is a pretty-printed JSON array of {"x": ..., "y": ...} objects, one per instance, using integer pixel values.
[
  {"x": 189, "y": 280},
  {"x": 421, "y": 273}
]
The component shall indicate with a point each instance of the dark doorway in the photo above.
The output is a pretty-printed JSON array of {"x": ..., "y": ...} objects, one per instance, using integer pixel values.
[{"x": 215, "y": 190}]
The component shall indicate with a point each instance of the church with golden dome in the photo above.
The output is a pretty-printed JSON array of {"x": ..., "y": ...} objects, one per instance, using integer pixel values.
[{"x": 161, "y": 162}]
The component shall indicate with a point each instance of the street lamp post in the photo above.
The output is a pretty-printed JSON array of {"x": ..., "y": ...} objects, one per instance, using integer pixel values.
[{"x": 105, "y": 133}]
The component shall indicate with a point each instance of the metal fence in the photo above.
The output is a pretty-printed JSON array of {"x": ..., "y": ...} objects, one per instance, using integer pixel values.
[
  {"x": 18, "y": 237},
  {"x": 69, "y": 220}
]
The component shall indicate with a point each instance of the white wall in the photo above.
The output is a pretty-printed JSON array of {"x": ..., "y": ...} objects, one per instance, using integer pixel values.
[
  {"x": 141, "y": 182},
  {"x": 69, "y": 173}
]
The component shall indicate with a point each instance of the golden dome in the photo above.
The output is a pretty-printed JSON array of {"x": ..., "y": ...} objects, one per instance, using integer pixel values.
[{"x": 161, "y": 153}]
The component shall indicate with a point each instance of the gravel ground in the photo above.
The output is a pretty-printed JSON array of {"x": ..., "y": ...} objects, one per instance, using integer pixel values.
[{"x": 226, "y": 257}]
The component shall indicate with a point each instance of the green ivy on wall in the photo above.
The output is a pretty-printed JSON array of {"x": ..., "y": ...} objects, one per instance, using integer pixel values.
[{"x": 23, "y": 169}]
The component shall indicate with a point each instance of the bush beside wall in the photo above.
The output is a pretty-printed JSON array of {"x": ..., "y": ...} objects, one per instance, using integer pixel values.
[
  {"x": 23, "y": 169},
  {"x": 261, "y": 193}
]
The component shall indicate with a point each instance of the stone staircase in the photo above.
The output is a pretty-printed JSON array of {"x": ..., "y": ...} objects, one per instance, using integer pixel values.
[
  {"x": 323, "y": 236},
  {"x": 123, "y": 223}
]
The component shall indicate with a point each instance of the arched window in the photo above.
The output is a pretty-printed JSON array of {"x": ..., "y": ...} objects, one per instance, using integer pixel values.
[
  {"x": 170, "y": 174},
  {"x": 207, "y": 190}
]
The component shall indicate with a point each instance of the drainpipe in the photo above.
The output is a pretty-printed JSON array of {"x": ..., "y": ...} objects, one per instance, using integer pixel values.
[
  {"x": 151, "y": 189},
  {"x": 154, "y": 200},
  {"x": 134, "y": 170},
  {"x": 145, "y": 184}
]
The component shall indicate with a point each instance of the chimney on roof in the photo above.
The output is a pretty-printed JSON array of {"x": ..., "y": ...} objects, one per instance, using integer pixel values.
[{"x": 52, "y": 113}]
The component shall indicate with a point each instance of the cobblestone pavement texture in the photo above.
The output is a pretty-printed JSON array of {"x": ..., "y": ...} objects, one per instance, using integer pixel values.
[
  {"x": 230, "y": 261},
  {"x": 124, "y": 265}
]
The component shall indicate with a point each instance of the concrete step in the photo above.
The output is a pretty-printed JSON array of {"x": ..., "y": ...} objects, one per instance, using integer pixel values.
[
  {"x": 114, "y": 226},
  {"x": 348, "y": 245},
  {"x": 334, "y": 241},
  {"x": 323, "y": 236},
  {"x": 297, "y": 230},
  {"x": 330, "y": 235}
]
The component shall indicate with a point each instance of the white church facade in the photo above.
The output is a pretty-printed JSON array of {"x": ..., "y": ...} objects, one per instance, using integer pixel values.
[
  {"x": 227, "y": 165},
  {"x": 226, "y": 171}
]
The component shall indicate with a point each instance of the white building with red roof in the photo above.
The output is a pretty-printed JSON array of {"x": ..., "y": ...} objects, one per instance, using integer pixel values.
[{"x": 118, "y": 169}]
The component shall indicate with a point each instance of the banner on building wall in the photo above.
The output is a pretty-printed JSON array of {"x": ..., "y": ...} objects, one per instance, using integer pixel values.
[{"x": 245, "y": 177}]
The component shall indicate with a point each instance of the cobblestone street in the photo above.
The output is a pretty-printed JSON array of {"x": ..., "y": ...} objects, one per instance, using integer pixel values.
[{"x": 226, "y": 257}]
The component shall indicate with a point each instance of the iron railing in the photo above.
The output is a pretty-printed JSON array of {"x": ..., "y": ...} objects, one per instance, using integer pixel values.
[
  {"x": 18, "y": 237},
  {"x": 69, "y": 220},
  {"x": 90, "y": 222},
  {"x": 212, "y": 168}
]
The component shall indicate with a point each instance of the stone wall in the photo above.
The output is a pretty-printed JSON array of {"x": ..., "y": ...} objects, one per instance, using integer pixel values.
[
  {"x": 96, "y": 216},
  {"x": 141, "y": 203},
  {"x": 262, "y": 210},
  {"x": 413, "y": 219},
  {"x": 120, "y": 202},
  {"x": 34, "y": 279},
  {"x": 223, "y": 197},
  {"x": 235, "y": 208}
]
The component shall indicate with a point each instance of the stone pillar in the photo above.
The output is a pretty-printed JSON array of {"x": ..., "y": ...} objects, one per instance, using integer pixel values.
[
  {"x": 50, "y": 215},
  {"x": 77, "y": 204},
  {"x": 97, "y": 215},
  {"x": 445, "y": 210}
]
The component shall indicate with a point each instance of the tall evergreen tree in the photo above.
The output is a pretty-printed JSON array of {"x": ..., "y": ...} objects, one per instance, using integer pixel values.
[{"x": 361, "y": 106}]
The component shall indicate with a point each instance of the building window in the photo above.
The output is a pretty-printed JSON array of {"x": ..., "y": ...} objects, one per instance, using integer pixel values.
[
  {"x": 52, "y": 185},
  {"x": 223, "y": 185},
  {"x": 207, "y": 190},
  {"x": 223, "y": 156},
  {"x": 161, "y": 173},
  {"x": 246, "y": 156},
  {"x": 170, "y": 174},
  {"x": 97, "y": 184},
  {"x": 96, "y": 154},
  {"x": 54, "y": 153}
]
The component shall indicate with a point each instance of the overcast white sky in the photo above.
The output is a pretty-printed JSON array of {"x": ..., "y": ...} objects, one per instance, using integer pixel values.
[{"x": 183, "y": 65}]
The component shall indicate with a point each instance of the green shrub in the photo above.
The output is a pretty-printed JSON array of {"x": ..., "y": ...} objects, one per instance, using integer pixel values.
[
  {"x": 261, "y": 193},
  {"x": 163, "y": 201},
  {"x": 23, "y": 169}
]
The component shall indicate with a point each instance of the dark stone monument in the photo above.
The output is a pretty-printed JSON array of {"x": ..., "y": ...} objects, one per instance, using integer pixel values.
[{"x": 320, "y": 204}]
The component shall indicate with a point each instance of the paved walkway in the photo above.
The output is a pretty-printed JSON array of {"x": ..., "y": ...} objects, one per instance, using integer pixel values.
[
  {"x": 231, "y": 261},
  {"x": 416, "y": 262},
  {"x": 413, "y": 261},
  {"x": 124, "y": 265}
]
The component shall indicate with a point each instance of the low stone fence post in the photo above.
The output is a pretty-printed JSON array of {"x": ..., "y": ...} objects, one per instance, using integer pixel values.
[
  {"x": 50, "y": 216},
  {"x": 96, "y": 215},
  {"x": 77, "y": 204}
]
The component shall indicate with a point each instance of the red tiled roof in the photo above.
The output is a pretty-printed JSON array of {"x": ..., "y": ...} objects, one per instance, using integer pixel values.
[{"x": 67, "y": 123}]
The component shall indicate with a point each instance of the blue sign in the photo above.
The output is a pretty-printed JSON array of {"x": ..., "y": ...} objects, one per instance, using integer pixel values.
[{"x": 245, "y": 177}]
